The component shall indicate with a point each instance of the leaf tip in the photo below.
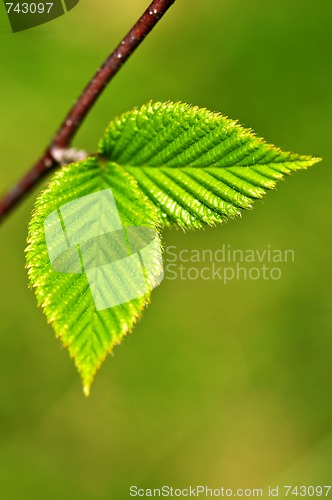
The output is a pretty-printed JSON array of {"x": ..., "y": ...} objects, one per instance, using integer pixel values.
[
  {"x": 316, "y": 159},
  {"x": 309, "y": 161},
  {"x": 86, "y": 390}
]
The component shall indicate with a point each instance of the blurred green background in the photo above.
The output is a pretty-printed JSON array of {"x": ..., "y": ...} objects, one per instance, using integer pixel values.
[{"x": 219, "y": 384}]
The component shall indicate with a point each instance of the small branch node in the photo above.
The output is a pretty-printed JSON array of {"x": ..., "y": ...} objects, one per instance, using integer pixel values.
[{"x": 64, "y": 156}]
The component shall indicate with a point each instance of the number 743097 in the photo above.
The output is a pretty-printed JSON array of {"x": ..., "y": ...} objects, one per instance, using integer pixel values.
[
  {"x": 29, "y": 8},
  {"x": 307, "y": 491}
]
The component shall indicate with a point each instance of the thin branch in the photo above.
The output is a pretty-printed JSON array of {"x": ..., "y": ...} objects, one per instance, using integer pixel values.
[{"x": 84, "y": 104}]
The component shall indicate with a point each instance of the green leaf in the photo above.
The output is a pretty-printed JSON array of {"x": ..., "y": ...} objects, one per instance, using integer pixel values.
[
  {"x": 66, "y": 298},
  {"x": 196, "y": 166},
  {"x": 167, "y": 164}
]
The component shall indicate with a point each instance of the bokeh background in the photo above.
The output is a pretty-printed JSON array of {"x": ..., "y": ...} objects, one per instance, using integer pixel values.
[{"x": 219, "y": 384}]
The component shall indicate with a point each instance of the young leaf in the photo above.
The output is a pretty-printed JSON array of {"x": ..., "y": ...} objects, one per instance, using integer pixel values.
[
  {"x": 88, "y": 333},
  {"x": 196, "y": 166},
  {"x": 164, "y": 163}
]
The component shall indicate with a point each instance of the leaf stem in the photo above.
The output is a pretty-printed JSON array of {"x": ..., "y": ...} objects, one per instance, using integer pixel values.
[{"x": 84, "y": 104}]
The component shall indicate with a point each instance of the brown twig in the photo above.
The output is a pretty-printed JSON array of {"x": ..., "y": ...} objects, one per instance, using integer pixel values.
[{"x": 84, "y": 103}]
